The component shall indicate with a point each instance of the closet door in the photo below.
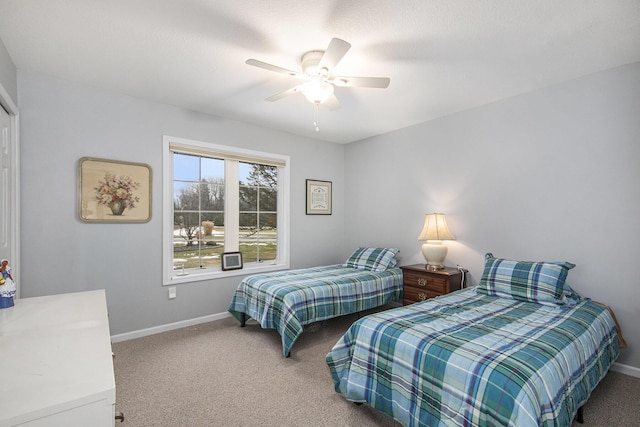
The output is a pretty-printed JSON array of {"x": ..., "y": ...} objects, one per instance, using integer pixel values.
[{"x": 5, "y": 185}]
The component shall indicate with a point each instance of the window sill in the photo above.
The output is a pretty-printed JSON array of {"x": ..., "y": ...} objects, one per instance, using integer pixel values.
[{"x": 211, "y": 274}]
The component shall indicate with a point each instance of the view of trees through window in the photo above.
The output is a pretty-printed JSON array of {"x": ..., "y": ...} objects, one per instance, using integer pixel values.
[{"x": 199, "y": 206}]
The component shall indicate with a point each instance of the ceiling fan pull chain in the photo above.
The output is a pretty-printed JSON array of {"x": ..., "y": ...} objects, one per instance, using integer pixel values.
[{"x": 315, "y": 116}]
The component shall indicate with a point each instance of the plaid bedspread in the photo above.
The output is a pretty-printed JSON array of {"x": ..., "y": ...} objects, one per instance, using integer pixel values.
[
  {"x": 466, "y": 359},
  {"x": 288, "y": 300}
]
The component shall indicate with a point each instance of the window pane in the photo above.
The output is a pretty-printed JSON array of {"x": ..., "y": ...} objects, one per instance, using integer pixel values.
[
  {"x": 185, "y": 227},
  {"x": 185, "y": 167},
  {"x": 248, "y": 198},
  {"x": 212, "y": 232},
  {"x": 268, "y": 199},
  {"x": 184, "y": 242},
  {"x": 268, "y": 223},
  {"x": 212, "y": 169},
  {"x": 268, "y": 236},
  {"x": 248, "y": 225},
  {"x": 186, "y": 196},
  {"x": 244, "y": 170},
  {"x": 216, "y": 196}
]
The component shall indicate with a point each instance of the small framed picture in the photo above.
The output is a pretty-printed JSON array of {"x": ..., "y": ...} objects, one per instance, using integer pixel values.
[
  {"x": 231, "y": 261},
  {"x": 318, "y": 197}
]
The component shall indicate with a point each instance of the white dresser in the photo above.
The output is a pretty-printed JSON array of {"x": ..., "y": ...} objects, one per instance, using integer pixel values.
[{"x": 56, "y": 366}]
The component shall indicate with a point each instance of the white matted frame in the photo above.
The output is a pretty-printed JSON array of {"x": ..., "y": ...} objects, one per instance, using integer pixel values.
[
  {"x": 318, "y": 197},
  {"x": 113, "y": 191}
]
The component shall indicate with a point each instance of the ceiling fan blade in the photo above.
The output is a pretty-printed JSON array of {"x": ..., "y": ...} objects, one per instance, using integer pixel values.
[
  {"x": 376, "y": 82},
  {"x": 275, "y": 68},
  {"x": 332, "y": 103},
  {"x": 334, "y": 53},
  {"x": 282, "y": 94}
]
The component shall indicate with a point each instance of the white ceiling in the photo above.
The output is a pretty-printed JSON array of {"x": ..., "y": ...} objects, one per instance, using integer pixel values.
[{"x": 442, "y": 56}]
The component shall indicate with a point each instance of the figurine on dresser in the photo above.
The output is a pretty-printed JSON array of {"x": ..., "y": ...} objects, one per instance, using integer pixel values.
[{"x": 7, "y": 285}]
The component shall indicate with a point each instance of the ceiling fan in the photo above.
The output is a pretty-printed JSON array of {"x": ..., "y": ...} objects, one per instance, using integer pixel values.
[{"x": 317, "y": 73}]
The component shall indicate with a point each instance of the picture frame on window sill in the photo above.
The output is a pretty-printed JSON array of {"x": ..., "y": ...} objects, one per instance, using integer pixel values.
[
  {"x": 231, "y": 261},
  {"x": 113, "y": 191},
  {"x": 318, "y": 197}
]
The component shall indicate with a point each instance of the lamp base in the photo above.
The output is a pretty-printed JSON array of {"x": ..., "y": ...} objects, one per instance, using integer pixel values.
[{"x": 434, "y": 253}]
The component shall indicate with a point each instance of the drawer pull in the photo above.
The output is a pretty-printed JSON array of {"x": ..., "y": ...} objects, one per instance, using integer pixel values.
[
  {"x": 422, "y": 296},
  {"x": 422, "y": 281}
]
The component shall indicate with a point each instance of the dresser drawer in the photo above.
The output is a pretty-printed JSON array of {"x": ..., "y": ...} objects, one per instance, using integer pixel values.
[
  {"x": 412, "y": 295},
  {"x": 422, "y": 282}
]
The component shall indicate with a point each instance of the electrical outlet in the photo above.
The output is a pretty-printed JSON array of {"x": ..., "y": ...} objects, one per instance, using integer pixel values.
[{"x": 172, "y": 293}]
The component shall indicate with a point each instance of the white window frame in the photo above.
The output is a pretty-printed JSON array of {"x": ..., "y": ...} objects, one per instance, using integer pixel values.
[{"x": 171, "y": 277}]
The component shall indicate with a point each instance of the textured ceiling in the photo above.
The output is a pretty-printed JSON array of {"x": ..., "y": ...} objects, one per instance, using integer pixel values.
[{"x": 442, "y": 56}]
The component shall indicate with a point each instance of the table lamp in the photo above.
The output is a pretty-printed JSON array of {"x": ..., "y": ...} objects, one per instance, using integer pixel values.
[{"x": 434, "y": 231}]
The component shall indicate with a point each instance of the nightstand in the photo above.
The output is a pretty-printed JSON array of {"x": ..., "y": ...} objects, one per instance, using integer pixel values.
[{"x": 420, "y": 284}]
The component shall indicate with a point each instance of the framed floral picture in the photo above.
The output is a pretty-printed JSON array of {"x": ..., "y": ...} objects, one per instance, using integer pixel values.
[{"x": 113, "y": 191}]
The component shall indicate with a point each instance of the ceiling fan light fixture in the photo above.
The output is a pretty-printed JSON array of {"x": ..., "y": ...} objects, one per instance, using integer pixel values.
[
  {"x": 317, "y": 90},
  {"x": 317, "y": 71}
]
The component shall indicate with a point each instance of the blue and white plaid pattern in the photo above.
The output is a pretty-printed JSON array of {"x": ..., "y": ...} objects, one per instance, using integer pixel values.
[
  {"x": 287, "y": 300},
  {"x": 467, "y": 359},
  {"x": 541, "y": 282},
  {"x": 374, "y": 259}
]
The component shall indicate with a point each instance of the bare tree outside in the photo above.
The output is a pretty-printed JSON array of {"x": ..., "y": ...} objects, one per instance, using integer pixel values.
[{"x": 196, "y": 203}]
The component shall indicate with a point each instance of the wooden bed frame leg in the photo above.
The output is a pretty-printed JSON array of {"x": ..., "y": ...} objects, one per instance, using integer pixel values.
[
  {"x": 243, "y": 320},
  {"x": 580, "y": 416}
]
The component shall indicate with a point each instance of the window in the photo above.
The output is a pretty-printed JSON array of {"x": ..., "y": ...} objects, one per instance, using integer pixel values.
[{"x": 222, "y": 199}]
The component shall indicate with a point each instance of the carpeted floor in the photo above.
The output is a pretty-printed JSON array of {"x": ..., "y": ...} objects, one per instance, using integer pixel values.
[{"x": 218, "y": 374}]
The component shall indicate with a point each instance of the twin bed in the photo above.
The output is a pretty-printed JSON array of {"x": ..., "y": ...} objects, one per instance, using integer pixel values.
[
  {"x": 520, "y": 348},
  {"x": 289, "y": 300}
]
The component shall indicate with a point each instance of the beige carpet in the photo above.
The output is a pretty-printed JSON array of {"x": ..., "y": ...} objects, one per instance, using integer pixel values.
[{"x": 218, "y": 374}]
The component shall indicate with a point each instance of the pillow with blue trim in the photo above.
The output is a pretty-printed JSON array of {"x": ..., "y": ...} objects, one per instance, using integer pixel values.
[
  {"x": 541, "y": 282},
  {"x": 372, "y": 259}
]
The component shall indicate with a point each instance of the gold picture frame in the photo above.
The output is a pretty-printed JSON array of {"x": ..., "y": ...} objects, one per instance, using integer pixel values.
[
  {"x": 318, "y": 197},
  {"x": 113, "y": 191}
]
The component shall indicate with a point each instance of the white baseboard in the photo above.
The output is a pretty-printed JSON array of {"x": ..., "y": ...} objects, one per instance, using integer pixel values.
[
  {"x": 168, "y": 327},
  {"x": 626, "y": 369}
]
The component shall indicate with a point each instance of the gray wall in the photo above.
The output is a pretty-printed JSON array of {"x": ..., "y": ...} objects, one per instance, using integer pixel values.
[
  {"x": 8, "y": 74},
  {"x": 62, "y": 122},
  {"x": 549, "y": 175}
]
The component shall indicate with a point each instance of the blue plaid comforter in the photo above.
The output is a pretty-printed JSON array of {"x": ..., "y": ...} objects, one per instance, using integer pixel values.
[
  {"x": 467, "y": 359},
  {"x": 287, "y": 300}
]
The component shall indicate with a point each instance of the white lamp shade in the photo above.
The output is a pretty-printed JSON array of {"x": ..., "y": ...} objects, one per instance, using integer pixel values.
[{"x": 435, "y": 228}]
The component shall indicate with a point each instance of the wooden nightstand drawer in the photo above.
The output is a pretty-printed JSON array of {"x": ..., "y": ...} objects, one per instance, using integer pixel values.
[
  {"x": 421, "y": 284},
  {"x": 412, "y": 294}
]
